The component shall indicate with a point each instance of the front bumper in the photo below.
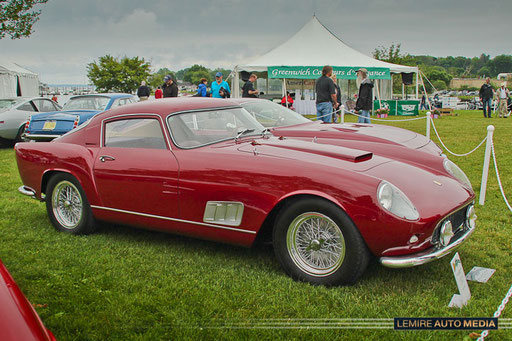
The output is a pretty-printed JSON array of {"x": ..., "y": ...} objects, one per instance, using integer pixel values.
[{"x": 426, "y": 256}]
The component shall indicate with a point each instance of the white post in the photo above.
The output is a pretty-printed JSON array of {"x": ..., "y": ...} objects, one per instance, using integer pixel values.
[
  {"x": 417, "y": 84},
  {"x": 487, "y": 159},
  {"x": 342, "y": 114},
  {"x": 429, "y": 117}
]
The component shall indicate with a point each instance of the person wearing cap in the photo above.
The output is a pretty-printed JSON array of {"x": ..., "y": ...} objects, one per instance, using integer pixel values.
[
  {"x": 143, "y": 92},
  {"x": 169, "y": 89},
  {"x": 326, "y": 99},
  {"x": 364, "y": 99},
  {"x": 220, "y": 88},
  {"x": 486, "y": 93},
  {"x": 502, "y": 93}
]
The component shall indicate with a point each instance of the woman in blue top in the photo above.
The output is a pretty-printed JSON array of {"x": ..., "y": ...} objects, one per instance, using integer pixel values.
[
  {"x": 218, "y": 84},
  {"x": 201, "y": 88}
]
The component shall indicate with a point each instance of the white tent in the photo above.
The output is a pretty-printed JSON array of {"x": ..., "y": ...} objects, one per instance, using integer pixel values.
[
  {"x": 17, "y": 81},
  {"x": 315, "y": 45}
]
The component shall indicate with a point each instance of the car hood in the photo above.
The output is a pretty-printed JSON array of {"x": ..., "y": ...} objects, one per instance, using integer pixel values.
[
  {"x": 68, "y": 115},
  {"x": 352, "y": 131}
]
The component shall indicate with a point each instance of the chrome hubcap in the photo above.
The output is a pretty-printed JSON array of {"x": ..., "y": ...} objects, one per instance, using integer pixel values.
[
  {"x": 315, "y": 244},
  {"x": 67, "y": 204}
]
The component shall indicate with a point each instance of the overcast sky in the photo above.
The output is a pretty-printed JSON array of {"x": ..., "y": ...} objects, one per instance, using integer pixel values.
[{"x": 180, "y": 33}]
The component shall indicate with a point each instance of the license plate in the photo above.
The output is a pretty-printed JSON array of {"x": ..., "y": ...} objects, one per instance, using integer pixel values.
[{"x": 49, "y": 125}]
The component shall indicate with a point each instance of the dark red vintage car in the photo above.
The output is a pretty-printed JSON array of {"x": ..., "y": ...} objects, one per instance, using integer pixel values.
[
  {"x": 206, "y": 168},
  {"x": 285, "y": 122},
  {"x": 18, "y": 319}
]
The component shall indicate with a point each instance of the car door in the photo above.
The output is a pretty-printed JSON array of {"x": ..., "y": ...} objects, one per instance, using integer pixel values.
[{"x": 136, "y": 173}]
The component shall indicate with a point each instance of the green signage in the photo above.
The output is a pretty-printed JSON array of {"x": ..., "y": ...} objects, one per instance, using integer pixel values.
[
  {"x": 313, "y": 72},
  {"x": 401, "y": 108}
]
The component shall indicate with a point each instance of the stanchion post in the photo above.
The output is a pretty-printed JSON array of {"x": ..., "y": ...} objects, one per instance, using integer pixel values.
[
  {"x": 429, "y": 117},
  {"x": 487, "y": 159},
  {"x": 342, "y": 114}
]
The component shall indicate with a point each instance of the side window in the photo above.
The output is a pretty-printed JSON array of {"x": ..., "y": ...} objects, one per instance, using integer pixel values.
[
  {"x": 44, "y": 105},
  {"x": 134, "y": 133},
  {"x": 26, "y": 107},
  {"x": 121, "y": 101}
]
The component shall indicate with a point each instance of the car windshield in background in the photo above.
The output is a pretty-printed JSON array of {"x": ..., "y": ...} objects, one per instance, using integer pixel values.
[
  {"x": 87, "y": 103},
  {"x": 9, "y": 103},
  {"x": 270, "y": 114},
  {"x": 199, "y": 128}
]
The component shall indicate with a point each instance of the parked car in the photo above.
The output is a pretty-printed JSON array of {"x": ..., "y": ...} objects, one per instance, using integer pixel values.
[
  {"x": 206, "y": 168},
  {"x": 14, "y": 113},
  {"x": 19, "y": 319},
  {"x": 285, "y": 122},
  {"x": 76, "y": 111}
]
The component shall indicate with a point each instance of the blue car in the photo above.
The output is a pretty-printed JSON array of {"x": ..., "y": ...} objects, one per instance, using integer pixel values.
[{"x": 79, "y": 109}]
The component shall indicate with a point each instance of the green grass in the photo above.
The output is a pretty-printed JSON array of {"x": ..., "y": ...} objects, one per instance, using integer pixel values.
[{"x": 128, "y": 284}]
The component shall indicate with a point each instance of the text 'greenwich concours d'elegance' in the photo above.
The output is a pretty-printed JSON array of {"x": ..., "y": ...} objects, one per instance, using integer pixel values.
[{"x": 295, "y": 187}]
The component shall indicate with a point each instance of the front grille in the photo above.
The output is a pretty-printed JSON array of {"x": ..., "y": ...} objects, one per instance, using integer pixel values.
[{"x": 458, "y": 220}]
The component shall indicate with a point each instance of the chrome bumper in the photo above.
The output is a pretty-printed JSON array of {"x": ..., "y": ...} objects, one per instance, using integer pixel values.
[
  {"x": 39, "y": 137},
  {"x": 425, "y": 256},
  {"x": 27, "y": 191}
]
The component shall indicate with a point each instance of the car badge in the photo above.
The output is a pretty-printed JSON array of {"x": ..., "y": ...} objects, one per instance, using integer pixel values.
[{"x": 438, "y": 183}]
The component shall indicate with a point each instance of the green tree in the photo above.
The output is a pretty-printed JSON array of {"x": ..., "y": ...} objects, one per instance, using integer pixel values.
[
  {"x": 195, "y": 73},
  {"x": 157, "y": 79},
  {"x": 17, "y": 17},
  {"x": 225, "y": 73},
  {"x": 112, "y": 74},
  {"x": 502, "y": 63}
]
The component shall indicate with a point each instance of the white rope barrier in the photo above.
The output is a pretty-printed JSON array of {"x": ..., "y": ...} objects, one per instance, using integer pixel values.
[
  {"x": 498, "y": 177},
  {"x": 449, "y": 151},
  {"x": 497, "y": 313}
]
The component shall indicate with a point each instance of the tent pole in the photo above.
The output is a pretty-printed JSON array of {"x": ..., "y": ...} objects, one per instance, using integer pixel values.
[
  {"x": 417, "y": 85},
  {"x": 378, "y": 92},
  {"x": 284, "y": 87},
  {"x": 426, "y": 94},
  {"x": 403, "y": 90}
]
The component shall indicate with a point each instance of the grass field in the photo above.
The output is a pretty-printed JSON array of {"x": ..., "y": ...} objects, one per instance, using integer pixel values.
[{"x": 128, "y": 284}]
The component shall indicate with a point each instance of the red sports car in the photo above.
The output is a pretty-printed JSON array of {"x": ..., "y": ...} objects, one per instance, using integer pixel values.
[
  {"x": 285, "y": 122},
  {"x": 18, "y": 319},
  {"x": 207, "y": 168}
]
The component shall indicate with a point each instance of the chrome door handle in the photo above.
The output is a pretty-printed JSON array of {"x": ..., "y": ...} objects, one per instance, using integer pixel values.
[{"x": 104, "y": 158}]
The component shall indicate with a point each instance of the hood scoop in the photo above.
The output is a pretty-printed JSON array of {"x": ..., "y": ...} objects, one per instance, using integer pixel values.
[{"x": 337, "y": 152}]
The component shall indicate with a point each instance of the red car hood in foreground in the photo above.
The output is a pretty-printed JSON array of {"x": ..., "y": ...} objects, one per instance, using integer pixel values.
[
  {"x": 18, "y": 319},
  {"x": 360, "y": 132}
]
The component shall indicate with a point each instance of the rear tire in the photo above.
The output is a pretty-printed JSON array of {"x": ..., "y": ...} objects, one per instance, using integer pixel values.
[
  {"x": 18, "y": 135},
  {"x": 67, "y": 205},
  {"x": 316, "y": 242}
]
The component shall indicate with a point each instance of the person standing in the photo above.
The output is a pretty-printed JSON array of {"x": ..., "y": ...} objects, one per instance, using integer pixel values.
[
  {"x": 364, "y": 99},
  {"x": 220, "y": 88},
  {"x": 423, "y": 103},
  {"x": 158, "y": 93},
  {"x": 338, "y": 96},
  {"x": 201, "y": 88},
  {"x": 287, "y": 101},
  {"x": 169, "y": 89},
  {"x": 143, "y": 92},
  {"x": 325, "y": 95},
  {"x": 248, "y": 88},
  {"x": 486, "y": 95},
  {"x": 502, "y": 93}
]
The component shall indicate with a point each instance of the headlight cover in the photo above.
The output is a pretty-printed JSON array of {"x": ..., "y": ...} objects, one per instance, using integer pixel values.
[
  {"x": 395, "y": 201},
  {"x": 457, "y": 173}
]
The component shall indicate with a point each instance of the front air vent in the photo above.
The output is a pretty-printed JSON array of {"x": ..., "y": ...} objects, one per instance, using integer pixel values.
[{"x": 224, "y": 212}]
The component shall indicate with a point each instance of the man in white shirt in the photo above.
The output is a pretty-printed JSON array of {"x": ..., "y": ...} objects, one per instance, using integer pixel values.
[{"x": 502, "y": 93}]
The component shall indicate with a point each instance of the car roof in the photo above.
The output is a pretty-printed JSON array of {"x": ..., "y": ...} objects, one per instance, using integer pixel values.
[
  {"x": 109, "y": 95},
  {"x": 166, "y": 106}
]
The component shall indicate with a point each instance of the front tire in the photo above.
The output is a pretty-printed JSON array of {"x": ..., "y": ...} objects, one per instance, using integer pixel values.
[
  {"x": 67, "y": 205},
  {"x": 316, "y": 242}
]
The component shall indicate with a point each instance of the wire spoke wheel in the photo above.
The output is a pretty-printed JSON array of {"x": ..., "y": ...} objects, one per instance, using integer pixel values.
[
  {"x": 67, "y": 204},
  {"x": 315, "y": 244}
]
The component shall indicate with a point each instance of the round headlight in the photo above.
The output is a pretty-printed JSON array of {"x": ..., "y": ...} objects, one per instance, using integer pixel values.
[
  {"x": 456, "y": 172},
  {"x": 392, "y": 199},
  {"x": 385, "y": 195},
  {"x": 446, "y": 233},
  {"x": 471, "y": 217}
]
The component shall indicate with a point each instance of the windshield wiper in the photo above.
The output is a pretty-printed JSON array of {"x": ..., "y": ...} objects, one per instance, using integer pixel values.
[{"x": 241, "y": 132}]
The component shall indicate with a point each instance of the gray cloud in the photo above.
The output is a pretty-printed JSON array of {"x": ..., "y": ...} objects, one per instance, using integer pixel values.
[{"x": 177, "y": 34}]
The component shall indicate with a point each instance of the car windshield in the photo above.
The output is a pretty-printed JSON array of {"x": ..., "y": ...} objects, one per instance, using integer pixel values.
[
  {"x": 199, "y": 128},
  {"x": 270, "y": 114},
  {"x": 9, "y": 103},
  {"x": 87, "y": 103}
]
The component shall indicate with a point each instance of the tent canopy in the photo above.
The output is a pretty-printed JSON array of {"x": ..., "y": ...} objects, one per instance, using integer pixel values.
[
  {"x": 315, "y": 45},
  {"x": 17, "y": 81}
]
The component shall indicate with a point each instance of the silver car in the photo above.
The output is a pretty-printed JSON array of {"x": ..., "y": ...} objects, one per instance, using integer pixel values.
[{"x": 15, "y": 112}]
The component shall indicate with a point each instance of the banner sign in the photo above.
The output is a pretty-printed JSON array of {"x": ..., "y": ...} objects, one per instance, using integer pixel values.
[
  {"x": 400, "y": 108},
  {"x": 313, "y": 72}
]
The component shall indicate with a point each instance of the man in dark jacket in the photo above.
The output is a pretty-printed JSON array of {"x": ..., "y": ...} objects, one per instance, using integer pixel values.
[
  {"x": 486, "y": 94},
  {"x": 364, "y": 99},
  {"x": 248, "y": 88},
  {"x": 170, "y": 89},
  {"x": 143, "y": 91}
]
